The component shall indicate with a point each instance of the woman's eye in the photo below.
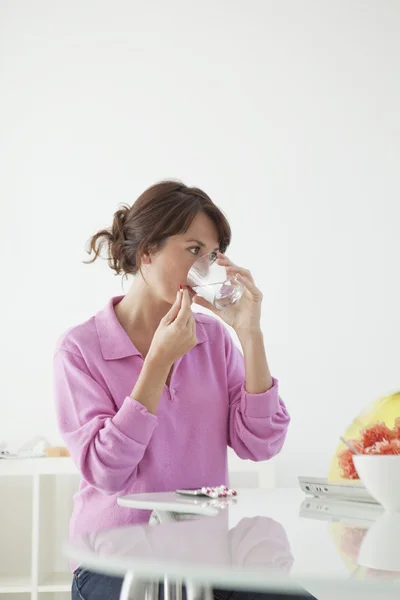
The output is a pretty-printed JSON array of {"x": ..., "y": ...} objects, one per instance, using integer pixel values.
[
  {"x": 195, "y": 250},
  {"x": 213, "y": 257}
]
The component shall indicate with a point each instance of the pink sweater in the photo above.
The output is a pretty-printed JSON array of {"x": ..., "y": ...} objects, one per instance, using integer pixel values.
[{"x": 121, "y": 448}]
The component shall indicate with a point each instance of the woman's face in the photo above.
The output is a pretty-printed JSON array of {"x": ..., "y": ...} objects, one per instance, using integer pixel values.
[{"x": 167, "y": 269}]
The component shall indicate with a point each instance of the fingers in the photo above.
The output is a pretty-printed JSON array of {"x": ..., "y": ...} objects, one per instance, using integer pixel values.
[
  {"x": 223, "y": 260},
  {"x": 231, "y": 268},
  {"x": 243, "y": 275},
  {"x": 250, "y": 285},
  {"x": 193, "y": 327},
  {"x": 175, "y": 308},
  {"x": 185, "y": 319},
  {"x": 185, "y": 312},
  {"x": 234, "y": 270}
]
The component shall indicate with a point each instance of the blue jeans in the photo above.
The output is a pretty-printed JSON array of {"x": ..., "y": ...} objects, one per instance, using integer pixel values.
[{"x": 93, "y": 586}]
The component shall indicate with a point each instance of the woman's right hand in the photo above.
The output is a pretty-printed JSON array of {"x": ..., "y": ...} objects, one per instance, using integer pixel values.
[{"x": 176, "y": 333}]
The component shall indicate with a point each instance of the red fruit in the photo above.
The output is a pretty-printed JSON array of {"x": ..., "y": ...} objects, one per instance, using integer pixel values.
[
  {"x": 357, "y": 445},
  {"x": 377, "y": 433},
  {"x": 346, "y": 465},
  {"x": 386, "y": 447}
]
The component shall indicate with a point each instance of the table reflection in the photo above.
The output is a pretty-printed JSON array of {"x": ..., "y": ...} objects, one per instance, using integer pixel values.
[
  {"x": 256, "y": 543},
  {"x": 366, "y": 538}
]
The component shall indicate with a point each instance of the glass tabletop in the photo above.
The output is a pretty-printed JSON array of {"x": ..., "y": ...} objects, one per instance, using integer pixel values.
[{"x": 268, "y": 539}]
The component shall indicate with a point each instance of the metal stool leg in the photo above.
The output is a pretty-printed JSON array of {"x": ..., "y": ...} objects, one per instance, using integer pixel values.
[
  {"x": 198, "y": 592},
  {"x": 172, "y": 591},
  {"x": 152, "y": 590},
  {"x": 169, "y": 589},
  {"x": 178, "y": 590},
  {"x": 134, "y": 588}
]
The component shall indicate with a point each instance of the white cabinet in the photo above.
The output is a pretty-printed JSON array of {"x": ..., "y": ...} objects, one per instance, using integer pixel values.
[{"x": 36, "y": 503}]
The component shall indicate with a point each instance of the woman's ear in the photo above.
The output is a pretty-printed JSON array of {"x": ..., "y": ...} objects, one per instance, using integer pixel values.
[
  {"x": 146, "y": 259},
  {"x": 149, "y": 253}
]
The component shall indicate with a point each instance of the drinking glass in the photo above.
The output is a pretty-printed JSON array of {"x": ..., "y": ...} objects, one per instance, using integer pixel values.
[{"x": 210, "y": 280}]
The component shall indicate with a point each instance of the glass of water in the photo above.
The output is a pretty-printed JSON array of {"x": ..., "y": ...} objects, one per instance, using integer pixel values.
[{"x": 210, "y": 280}]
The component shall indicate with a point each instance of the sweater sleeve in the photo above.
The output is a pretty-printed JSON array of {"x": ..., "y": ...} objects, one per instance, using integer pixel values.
[
  {"x": 106, "y": 444},
  {"x": 258, "y": 423}
]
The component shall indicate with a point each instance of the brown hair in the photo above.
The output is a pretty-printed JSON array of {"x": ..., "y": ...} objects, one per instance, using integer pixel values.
[{"x": 164, "y": 209}]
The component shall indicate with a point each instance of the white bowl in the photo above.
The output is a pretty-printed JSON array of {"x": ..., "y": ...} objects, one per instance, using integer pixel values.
[
  {"x": 380, "y": 548},
  {"x": 381, "y": 477}
]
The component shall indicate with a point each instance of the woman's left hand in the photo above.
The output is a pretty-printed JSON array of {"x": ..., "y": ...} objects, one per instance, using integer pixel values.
[{"x": 245, "y": 315}]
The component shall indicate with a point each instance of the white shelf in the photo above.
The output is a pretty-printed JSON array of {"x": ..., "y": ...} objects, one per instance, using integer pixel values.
[
  {"x": 13, "y": 584},
  {"x": 56, "y": 582},
  {"x": 37, "y": 466},
  {"x": 24, "y": 596},
  {"x": 64, "y": 595},
  {"x": 36, "y": 507},
  {"x": 64, "y": 466}
]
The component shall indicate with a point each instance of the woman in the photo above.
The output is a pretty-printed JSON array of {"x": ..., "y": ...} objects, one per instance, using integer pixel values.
[{"x": 149, "y": 394}]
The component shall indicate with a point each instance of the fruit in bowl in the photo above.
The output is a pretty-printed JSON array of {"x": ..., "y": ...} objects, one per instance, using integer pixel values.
[
  {"x": 374, "y": 432},
  {"x": 375, "y": 440}
]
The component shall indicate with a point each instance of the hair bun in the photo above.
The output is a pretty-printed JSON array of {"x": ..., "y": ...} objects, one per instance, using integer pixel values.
[
  {"x": 118, "y": 247},
  {"x": 119, "y": 256}
]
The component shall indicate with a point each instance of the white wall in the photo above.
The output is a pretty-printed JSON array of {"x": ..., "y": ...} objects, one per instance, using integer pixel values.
[{"x": 287, "y": 113}]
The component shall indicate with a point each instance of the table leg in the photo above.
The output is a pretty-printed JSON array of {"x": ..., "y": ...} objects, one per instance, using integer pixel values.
[
  {"x": 134, "y": 588},
  {"x": 152, "y": 590},
  {"x": 158, "y": 517},
  {"x": 178, "y": 590},
  {"x": 169, "y": 589},
  {"x": 198, "y": 592},
  {"x": 172, "y": 591}
]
